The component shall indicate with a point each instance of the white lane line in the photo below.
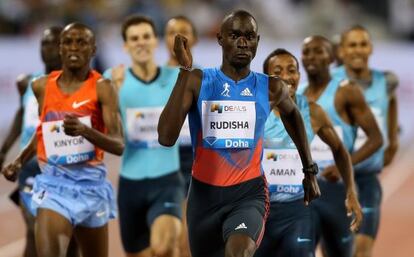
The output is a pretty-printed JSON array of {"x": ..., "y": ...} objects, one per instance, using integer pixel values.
[{"x": 13, "y": 249}]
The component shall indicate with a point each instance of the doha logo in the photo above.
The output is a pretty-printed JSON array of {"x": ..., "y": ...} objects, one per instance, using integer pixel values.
[
  {"x": 216, "y": 107},
  {"x": 271, "y": 156},
  {"x": 55, "y": 128}
]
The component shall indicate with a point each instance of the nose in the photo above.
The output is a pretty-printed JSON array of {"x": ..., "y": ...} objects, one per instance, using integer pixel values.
[{"x": 242, "y": 42}]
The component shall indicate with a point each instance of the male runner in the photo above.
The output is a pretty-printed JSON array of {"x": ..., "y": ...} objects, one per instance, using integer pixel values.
[
  {"x": 185, "y": 27},
  {"x": 24, "y": 125},
  {"x": 379, "y": 91},
  {"x": 289, "y": 230},
  {"x": 228, "y": 198},
  {"x": 151, "y": 188},
  {"x": 79, "y": 119},
  {"x": 344, "y": 103}
]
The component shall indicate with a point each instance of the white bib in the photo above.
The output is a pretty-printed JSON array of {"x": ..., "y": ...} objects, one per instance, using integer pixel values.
[
  {"x": 62, "y": 149},
  {"x": 31, "y": 113},
  {"x": 361, "y": 137},
  {"x": 282, "y": 167},
  {"x": 228, "y": 124},
  {"x": 142, "y": 126},
  {"x": 321, "y": 152}
]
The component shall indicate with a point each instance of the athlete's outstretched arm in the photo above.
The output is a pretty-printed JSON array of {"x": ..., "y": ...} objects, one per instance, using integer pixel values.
[
  {"x": 184, "y": 94},
  {"x": 111, "y": 142},
  {"x": 293, "y": 122},
  {"x": 11, "y": 170},
  {"x": 392, "y": 122},
  {"x": 362, "y": 116},
  {"x": 14, "y": 132},
  {"x": 325, "y": 130}
]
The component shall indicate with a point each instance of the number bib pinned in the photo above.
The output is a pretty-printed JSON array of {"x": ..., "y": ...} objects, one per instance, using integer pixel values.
[
  {"x": 142, "y": 126},
  {"x": 321, "y": 152},
  {"x": 283, "y": 170},
  {"x": 62, "y": 149},
  {"x": 228, "y": 124}
]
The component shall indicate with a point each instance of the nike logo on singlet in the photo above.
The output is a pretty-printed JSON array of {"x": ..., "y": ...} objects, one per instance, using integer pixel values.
[{"x": 76, "y": 105}]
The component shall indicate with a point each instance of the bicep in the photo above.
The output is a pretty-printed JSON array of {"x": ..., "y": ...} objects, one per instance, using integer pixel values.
[
  {"x": 108, "y": 99},
  {"x": 360, "y": 112}
]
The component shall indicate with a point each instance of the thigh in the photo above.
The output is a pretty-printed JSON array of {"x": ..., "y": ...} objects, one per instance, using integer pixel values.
[
  {"x": 370, "y": 195},
  {"x": 298, "y": 239},
  {"x": 135, "y": 233},
  {"x": 204, "y": 225},
  {"x": 93, "y": 241},
  {"x": 52, "y": 232},
  {"x": 337, "y": 239}
]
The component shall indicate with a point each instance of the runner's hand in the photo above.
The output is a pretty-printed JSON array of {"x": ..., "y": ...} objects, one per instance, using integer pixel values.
[
  {"x": 118, "y": 75},
  {"x": 331, "y": 174},
  {"x": 11, "y": 170},
  {"x": 182, "y": 51},
  {"x": 311, "y": 188},
  {"x": 72, "y": 126},
  {"x": 353, "y": 207}
]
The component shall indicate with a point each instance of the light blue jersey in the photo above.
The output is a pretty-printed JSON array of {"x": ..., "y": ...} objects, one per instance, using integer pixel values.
[
  {"x": 377, "y": 98},
  {"x": 321, "y": 152},
  {"x": 281, "y": 162},
  {"x": 31, "y": 112},
  {"x": 141, "y": 104}
]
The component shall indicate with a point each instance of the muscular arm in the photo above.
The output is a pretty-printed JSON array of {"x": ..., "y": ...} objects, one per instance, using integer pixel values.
[
  {"x": 392, "y": 122},
  {"x": 15, "y": 129},
  {"x": 184, "y": 94},
  {"x": 291, "y": 118},
  {"x": 111, "y": 142},
  {"x": 325, "y": 130},
  {"x": 361, "y": 116}
]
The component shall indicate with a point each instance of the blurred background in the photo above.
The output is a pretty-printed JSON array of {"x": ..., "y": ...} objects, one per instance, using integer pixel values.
[{"x": 282, "y": 23}]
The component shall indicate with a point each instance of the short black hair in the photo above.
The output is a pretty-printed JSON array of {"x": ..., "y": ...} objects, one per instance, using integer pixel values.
[
  {"x": 186, "y": 19},
  {"x": 78, "y": 25},
  {"x": 352, "y": 28},
  {"x": 279, "y": 51},
  {"x": 135, "y": 20}
]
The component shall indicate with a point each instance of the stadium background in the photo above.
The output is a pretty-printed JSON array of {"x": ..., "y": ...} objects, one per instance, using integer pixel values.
[{"x": 282, "y": 23}]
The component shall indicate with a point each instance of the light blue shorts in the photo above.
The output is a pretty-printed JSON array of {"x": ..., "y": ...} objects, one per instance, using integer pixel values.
[{"x": 84, "y": 203}]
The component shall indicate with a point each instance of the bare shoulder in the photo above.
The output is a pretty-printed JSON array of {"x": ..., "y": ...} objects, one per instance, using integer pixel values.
[
  {"x": 105, "y": 89},
  {"x": 349, "y": 89},
  {"x": 22, "y": 82},
  {"x": 277, "y": 85},
  {"x": 392, "y": 81},
  {"x": 38, "y": 85}
]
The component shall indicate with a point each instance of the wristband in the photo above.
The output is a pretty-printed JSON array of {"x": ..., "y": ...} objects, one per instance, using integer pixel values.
[{"x": 312, "y": 169}]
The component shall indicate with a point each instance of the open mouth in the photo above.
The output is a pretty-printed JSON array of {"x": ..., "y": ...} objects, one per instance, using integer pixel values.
[{"x": 73, "y": 57}]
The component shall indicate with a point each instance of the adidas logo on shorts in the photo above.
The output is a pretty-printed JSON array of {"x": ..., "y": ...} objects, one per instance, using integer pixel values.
[
  {"x": 246, "y": 92},
  {"x": 241, "y": 226}
]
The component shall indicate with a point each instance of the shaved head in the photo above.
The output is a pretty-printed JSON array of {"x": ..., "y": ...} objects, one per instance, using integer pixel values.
[
  {"x": 323, "y": 40},
  {"x": 240, "y": 14}
]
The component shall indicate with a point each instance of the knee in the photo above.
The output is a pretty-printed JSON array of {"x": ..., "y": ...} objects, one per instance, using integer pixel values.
[
  {"x": 165, "y": 234},
  {"x": 363, "y": 246},
  {"x": 240, "y": 245}
]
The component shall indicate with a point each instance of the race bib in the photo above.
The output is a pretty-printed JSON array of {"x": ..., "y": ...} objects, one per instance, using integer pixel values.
[
  {"x": 361, "y": 137},
  {"x": 62, "y": 149},
  {"x": 228, "y": 124},
  {"x": 283, "y": 170},
  {"x": 321, "y": 152},
  {"x": 185, "y": 136},
  {"x": 142, "y": 126},
  {"x": 31, "y": 113}
]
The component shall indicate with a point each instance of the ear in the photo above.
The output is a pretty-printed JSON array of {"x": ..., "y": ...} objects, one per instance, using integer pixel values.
[
  {"x": 258, "y": 38},
  {"x": 219, "y": 39},
  {"x": 94, "y": 50}
]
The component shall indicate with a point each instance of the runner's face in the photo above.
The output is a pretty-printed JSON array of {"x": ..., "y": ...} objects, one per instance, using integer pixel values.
[
  {"x": 140, "y": 43},
  {"x": 239, "y": 39},
  {"x": 285, "y": 67},
  {"x": 356, "y": 49},
  {"x": 178, "y": 26},
  {"x": 316, "y": 57},
  {"x": 50, "y": 48},
  {"x": 77, "y": 47}
]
